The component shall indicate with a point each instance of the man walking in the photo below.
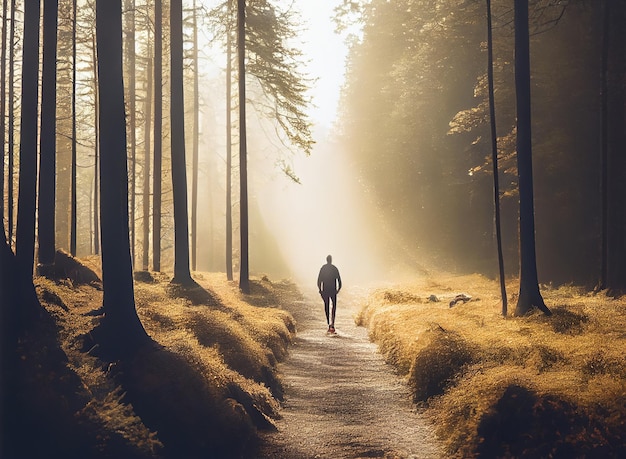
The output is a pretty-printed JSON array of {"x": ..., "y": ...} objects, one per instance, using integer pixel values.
[{"x": 329, "y": 284}]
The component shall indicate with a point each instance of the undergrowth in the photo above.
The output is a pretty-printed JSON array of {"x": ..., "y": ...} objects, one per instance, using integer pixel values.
[
  {"x": 533, "y": 386},
  {"x": 204, "y": 388}
]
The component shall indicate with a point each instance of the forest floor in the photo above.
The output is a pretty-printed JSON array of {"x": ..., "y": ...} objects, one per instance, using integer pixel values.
[
  {"x": 532, "y": 386},
  {"x": 440, "y": 381},
  {"x": 341, "y": 399},
  {"x": 203, "y": 387}
]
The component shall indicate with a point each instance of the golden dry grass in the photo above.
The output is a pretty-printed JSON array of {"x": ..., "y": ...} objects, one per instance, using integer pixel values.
[
  {"x": 467, "y": 363},
  {"x": 218, "y": 326},
  {"x": 205, "y": 389}
]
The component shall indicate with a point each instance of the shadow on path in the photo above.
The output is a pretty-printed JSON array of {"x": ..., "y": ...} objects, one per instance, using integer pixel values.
[{"x": 341, "y": 399}]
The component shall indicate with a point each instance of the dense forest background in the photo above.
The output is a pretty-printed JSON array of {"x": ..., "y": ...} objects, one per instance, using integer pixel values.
[
  {"x": 277, "y": 125},
  {"x": 412, "y": 129},
  {"x": 415, "y": 123}
]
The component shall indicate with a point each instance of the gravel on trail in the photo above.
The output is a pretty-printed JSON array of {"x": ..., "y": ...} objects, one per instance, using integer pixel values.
[{"x": 341, "y": 399}]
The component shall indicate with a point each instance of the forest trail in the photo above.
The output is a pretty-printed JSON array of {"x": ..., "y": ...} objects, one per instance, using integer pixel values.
[{"x": 341, "y": 399}]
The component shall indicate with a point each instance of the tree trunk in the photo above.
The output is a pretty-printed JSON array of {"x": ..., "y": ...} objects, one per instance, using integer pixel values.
[
  {"x": 73, "y": 192},
  {"x": 146, "y": 170},
  {"x": 229, "y": 148},
  {"x": 26, "y": 309},
  {"x": 121, "y": 326},
  {"x": 47, "y": 169},
  {"x": 96, "y": 152},
  {"x": 130, "y": 43},
  {"x": 494, "y": 156},
  {"x": 616, "y": 154},
  {"x": 158, "y": 135},
  {"x": 529, "y": 294},
  {"x": 9, "y": 334},
  {"x": 11, "y": 134},
  {"x": 25, "y": 232},
  {"x": 3, "y": 107},
  {"x": 244, "y": 281},
  {"x": 182, "y": 274},
  {"x": 196, "y": 135},
  {"x": 604, "y": 189}
]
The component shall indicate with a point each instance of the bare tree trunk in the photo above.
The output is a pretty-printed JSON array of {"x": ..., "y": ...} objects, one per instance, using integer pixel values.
[
  {"x": 25, "y": 232},
  {"x": 3, "y": 107},
  {"x": 244, "y": 275},
  {"x": 158, "y": 134},
  {"x": 494, "y": 156},
  {"x": 616, "y": 152},
  {"x": 194, "y": 154},
  {"x": 529, "y": 294},
  {"x": 96, "y": 152},
  {"x": 27, "y": 307},
  {"x": 130, "y": 47},
  {"x": 121, "y": 329},
  {"x": 146, "y": 171},
  {"x": 604, "y": 189},
  {"x": 9, "y": 335},
  {"x": 229, "y": 148},
  {"x": 73, "y": 193},
  {"x": 47, "y": 169},
  {"x": 11, "y": 135},
  {"x": 179, "y": 169}
]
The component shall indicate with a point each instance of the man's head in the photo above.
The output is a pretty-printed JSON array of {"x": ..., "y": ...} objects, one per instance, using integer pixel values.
[{"x": 329, "y": 258}]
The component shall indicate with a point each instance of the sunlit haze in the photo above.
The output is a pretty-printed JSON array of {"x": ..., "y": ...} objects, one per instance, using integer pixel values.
[
  {"x": 325, "y": 213},
  {"x": 325, "y": 52}
]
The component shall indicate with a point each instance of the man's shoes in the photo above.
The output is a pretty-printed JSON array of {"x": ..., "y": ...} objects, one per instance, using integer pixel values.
[{"x": 331, "y": 329}]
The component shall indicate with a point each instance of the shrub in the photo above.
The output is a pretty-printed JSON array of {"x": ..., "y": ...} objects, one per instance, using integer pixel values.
[{"x": 436, "y": 366}]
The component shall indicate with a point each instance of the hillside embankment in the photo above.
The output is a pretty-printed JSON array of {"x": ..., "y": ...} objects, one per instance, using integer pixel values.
[
  {"x": 533, "y": 386},
  {"x": 204, "y": 386}
]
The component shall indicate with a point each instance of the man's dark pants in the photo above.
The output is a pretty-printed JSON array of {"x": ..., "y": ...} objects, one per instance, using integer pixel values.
[{"x": 328, "y": 297}]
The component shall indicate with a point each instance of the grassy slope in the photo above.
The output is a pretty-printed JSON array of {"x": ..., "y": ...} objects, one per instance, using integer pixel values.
[
  {"x": 518, "y": 387},
  {"x": 203, "y": 391}
]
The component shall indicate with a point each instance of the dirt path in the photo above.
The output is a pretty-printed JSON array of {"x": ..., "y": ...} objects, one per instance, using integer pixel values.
[{"x": 341, "y": 399}]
